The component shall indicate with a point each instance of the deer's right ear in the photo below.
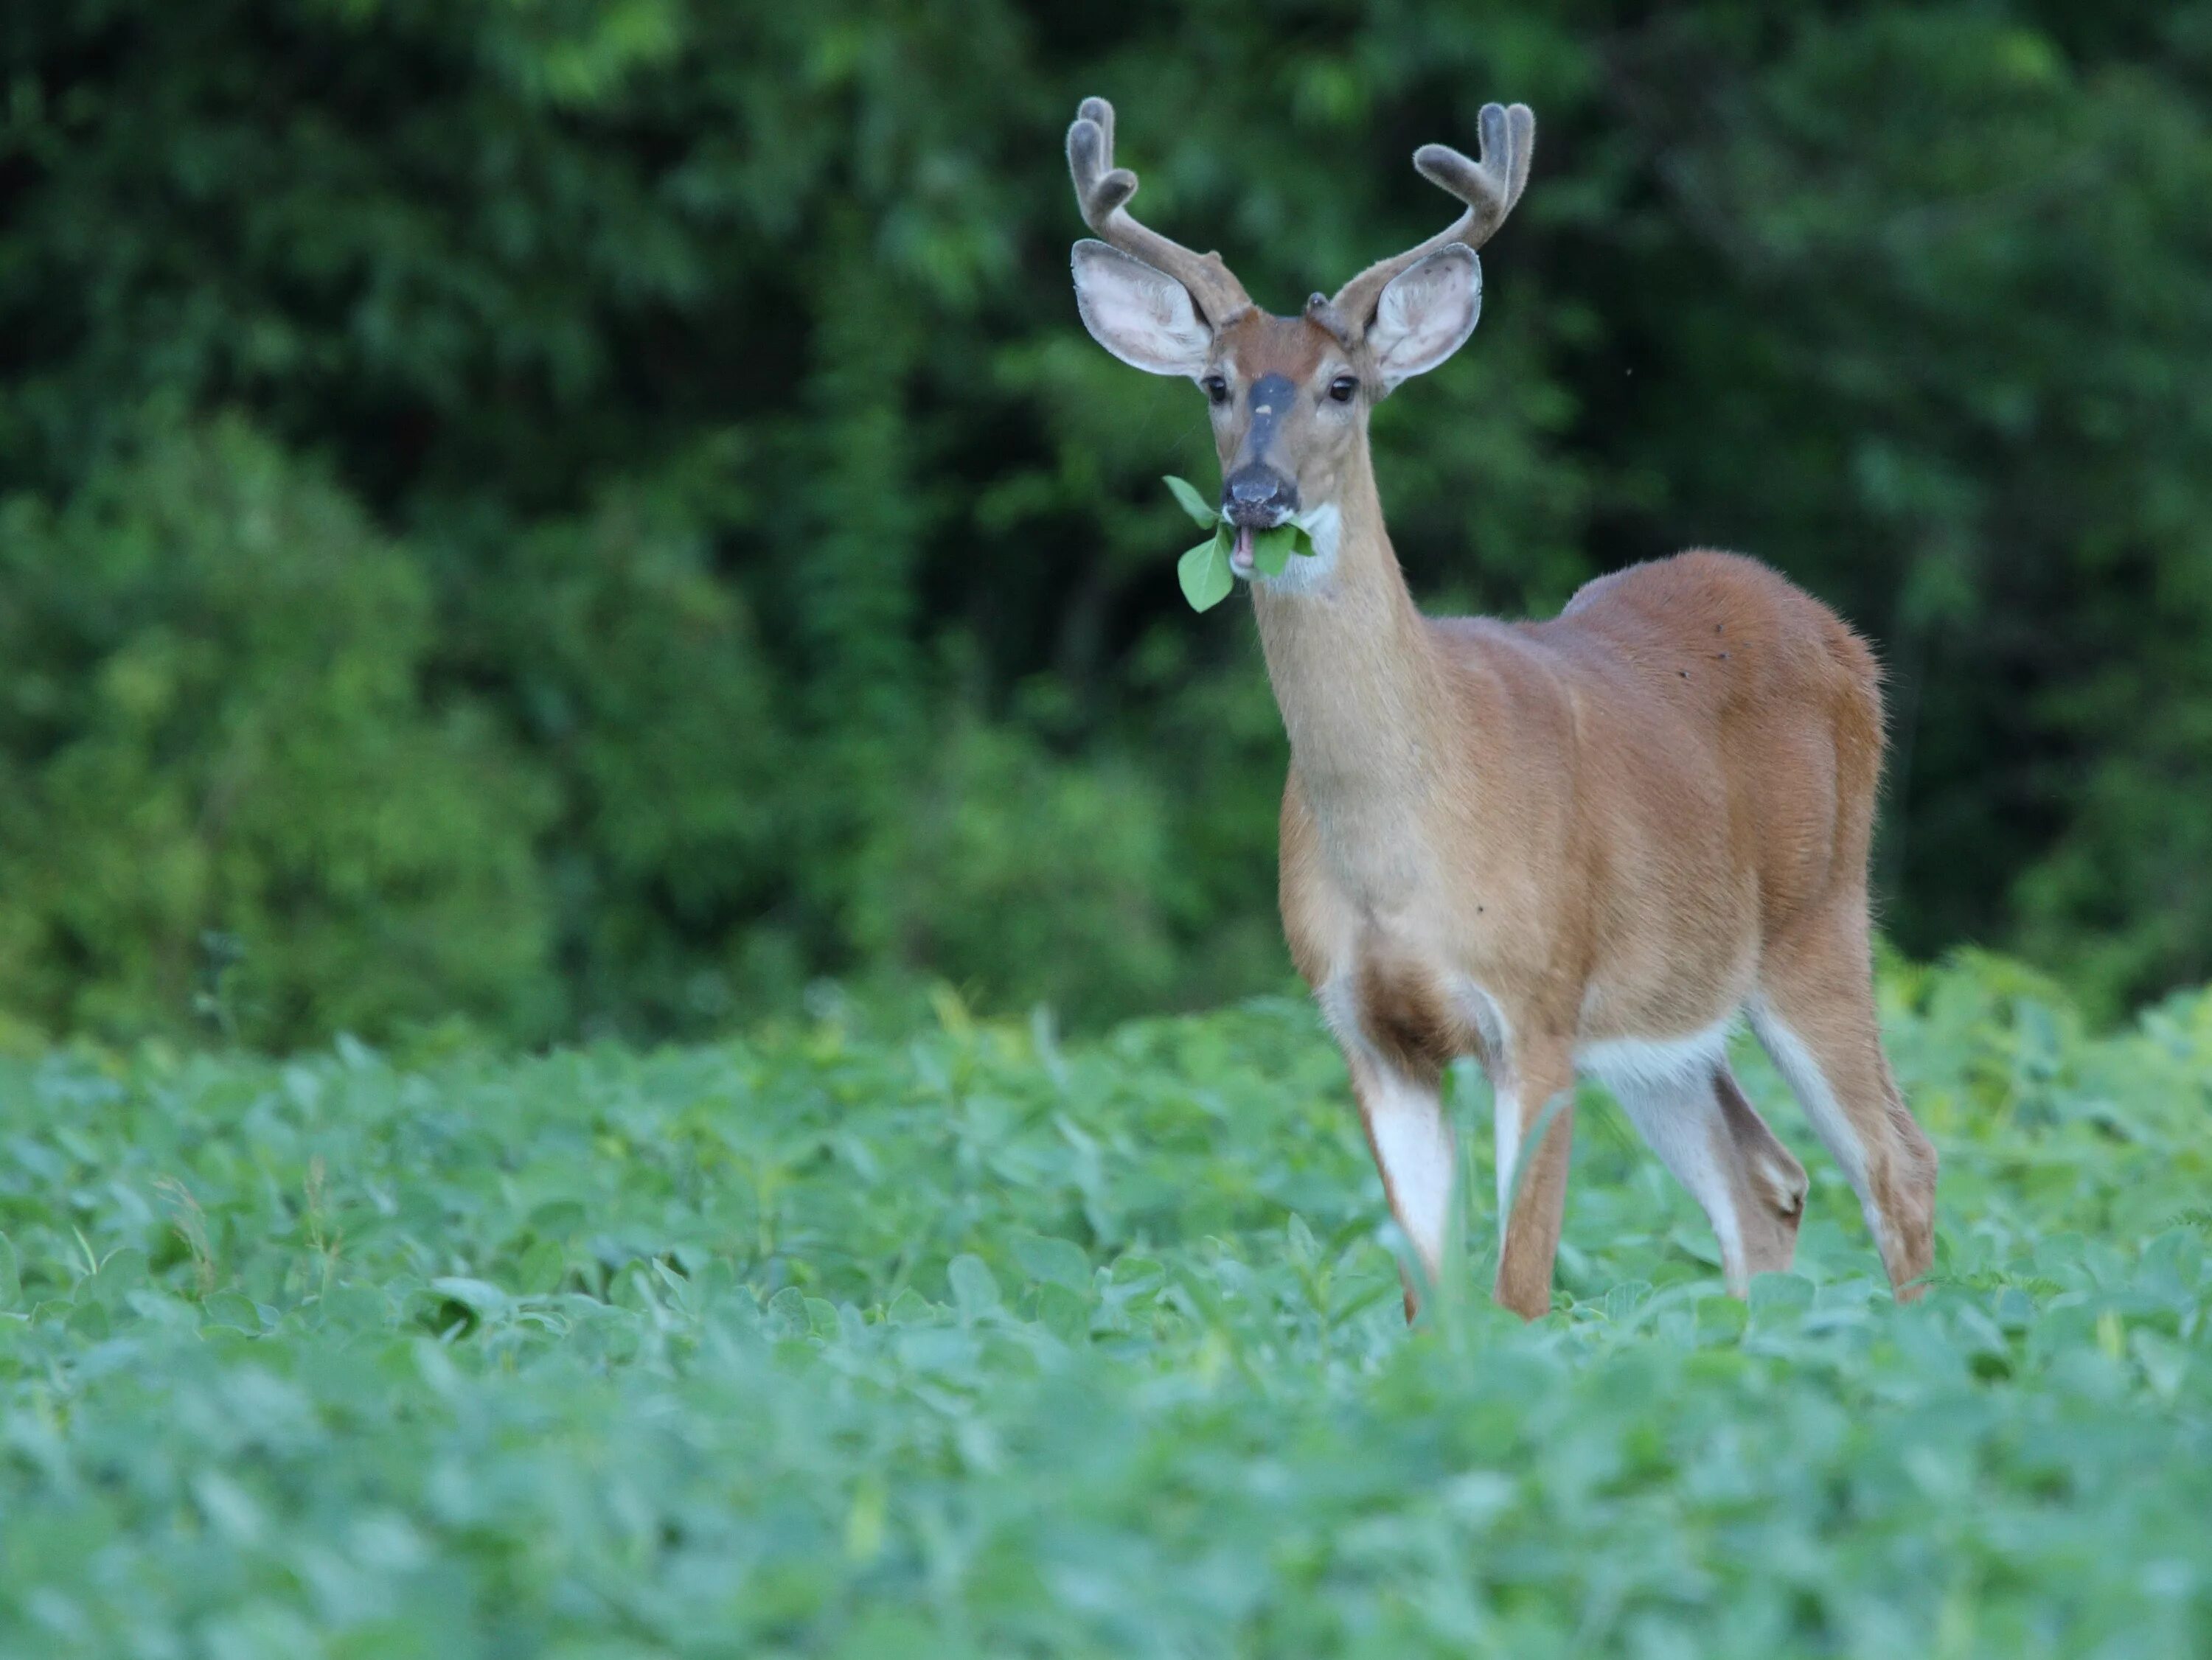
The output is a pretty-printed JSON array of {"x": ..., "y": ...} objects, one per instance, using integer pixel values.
[{"x": 1143, "y": 316}]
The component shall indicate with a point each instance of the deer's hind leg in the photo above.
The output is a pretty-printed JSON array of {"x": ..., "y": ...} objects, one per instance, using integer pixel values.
[
  {"x": 1815, "y": 1017},
  {"x": 1538, "y": 1077},
  {"x": 1751, "y": 1186}
]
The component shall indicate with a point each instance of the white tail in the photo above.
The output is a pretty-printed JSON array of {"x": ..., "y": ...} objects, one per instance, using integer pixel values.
[{"x": 1587, "y": 845}]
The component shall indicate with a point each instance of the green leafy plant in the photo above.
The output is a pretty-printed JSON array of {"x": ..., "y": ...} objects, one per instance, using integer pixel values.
[
  {"x": 586, "y": 674},
  {"x": 1205, "y": 571},
  {"x": 962, "y": 1341}
]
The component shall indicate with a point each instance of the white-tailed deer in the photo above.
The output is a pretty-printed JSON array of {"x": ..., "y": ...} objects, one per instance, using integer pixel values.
[{"x": 1583, "y": 844}]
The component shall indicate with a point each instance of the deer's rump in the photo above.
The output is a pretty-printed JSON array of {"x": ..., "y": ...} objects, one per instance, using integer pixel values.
[{"x": 1723, "y": 655}]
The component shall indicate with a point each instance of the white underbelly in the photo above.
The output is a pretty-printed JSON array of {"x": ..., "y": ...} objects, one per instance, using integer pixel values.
[
  {"x": 1625, "y": 1065},
  {"x": 1618, "y": 1063}
]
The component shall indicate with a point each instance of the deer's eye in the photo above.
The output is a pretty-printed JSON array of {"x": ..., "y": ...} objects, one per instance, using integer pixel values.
[
  {"x": 1217, "y": 389},
  {"x": 1341, "y": 389}
]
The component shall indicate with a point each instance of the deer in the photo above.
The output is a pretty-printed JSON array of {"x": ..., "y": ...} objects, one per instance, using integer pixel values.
[{"x": 1584, "y": 847}]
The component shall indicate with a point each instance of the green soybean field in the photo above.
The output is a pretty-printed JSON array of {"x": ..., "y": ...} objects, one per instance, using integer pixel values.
[{"x": 970, "y": 1340}]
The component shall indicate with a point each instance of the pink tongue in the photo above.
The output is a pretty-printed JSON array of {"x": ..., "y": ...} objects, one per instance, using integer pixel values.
[{"x": 1241, "y": 558}]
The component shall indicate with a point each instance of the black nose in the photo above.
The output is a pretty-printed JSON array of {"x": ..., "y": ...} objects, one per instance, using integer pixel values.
[{"x": 1258, "y": 495}]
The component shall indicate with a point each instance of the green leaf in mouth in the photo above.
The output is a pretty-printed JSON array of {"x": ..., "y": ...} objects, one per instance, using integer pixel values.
[
  {"x": 1203, "y": 571},
  {"x": 1271, "y": 549},
  {"x": 1193, "y": 503}
]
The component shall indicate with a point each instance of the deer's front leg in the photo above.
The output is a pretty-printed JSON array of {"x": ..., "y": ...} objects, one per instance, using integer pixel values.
[
  {"x": 1528, "y": 1220},
  {"x": 1412, "y": 1140}
]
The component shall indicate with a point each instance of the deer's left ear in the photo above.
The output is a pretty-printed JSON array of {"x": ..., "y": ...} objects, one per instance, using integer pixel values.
[{"x": 1425, "y": 314}]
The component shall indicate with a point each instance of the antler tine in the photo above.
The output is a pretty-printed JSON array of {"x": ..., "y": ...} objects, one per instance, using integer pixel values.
[
  {"x": 1101, "y": 190},
  {"x": 1489, "y": 187}
]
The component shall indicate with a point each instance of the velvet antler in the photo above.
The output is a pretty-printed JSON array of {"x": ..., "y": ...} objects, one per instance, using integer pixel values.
[
  {"x": 1489, "y": 187},
  {"x": 1101, "y": 190}
]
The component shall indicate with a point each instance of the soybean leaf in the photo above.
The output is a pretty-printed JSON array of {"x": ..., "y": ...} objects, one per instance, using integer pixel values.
[
  {"x": 1187, "y": 496},
  {"x": 1204, "y": 572},
  {"x": 477, "y": 1296},
  {"x": 1051, "y": 1261},
  {"x": 973, "y": 1288},
  {"x": 1271, "y": 549},
  {"x": 1302, "y": 542}
]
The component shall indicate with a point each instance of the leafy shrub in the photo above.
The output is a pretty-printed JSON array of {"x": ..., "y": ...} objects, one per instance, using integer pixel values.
[
  {"x": 215, "y": 750},
  {"x": 1022, "y": 877},
  {"x": 632, "y": 677}
]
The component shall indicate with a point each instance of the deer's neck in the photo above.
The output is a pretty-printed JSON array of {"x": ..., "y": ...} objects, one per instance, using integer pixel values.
[{"x": 1358, "y": 678}]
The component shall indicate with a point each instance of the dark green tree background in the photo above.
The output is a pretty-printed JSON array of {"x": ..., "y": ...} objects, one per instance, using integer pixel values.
[{"x": 587, "y": 514}]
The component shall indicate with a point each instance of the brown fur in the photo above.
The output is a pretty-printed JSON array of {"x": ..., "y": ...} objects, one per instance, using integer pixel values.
[
  {"x": 1620, "y": 822},
  {"x": 1768, "y": 1181},
  {"x": 1410, "y": 1023},
  {"x": 1293, "y": 347},
  {"x": 1516, "y": 839}
]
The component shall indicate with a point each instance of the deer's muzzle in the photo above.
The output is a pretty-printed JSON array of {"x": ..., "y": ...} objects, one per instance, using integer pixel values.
[{"x": 1256, "y": 497}]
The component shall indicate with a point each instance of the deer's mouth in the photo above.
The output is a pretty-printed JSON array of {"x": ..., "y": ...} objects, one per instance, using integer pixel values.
[
  {"x": 1240, "y": 556},
  {"x": 1249, "y": 518}
]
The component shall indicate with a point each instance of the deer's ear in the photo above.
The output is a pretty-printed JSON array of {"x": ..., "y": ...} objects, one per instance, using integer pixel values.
[
  {"x": 1425, "y": 314},
  {"x": 1144, "y": 317}
]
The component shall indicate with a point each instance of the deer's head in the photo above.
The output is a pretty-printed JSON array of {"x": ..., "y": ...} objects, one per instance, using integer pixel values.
[{"x": 1290, "y": 396}]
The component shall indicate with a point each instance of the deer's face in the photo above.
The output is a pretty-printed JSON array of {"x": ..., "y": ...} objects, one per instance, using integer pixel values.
[
  {"x": 1290, "y": 413},
  {"x": 1289, "y": 394}
]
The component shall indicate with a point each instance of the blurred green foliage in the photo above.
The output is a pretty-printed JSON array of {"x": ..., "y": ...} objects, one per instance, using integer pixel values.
[
  {"x": 586, "y": 517},
  {"x": 215, "y": 662},
  {"x": 970, "y": 1343}
]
